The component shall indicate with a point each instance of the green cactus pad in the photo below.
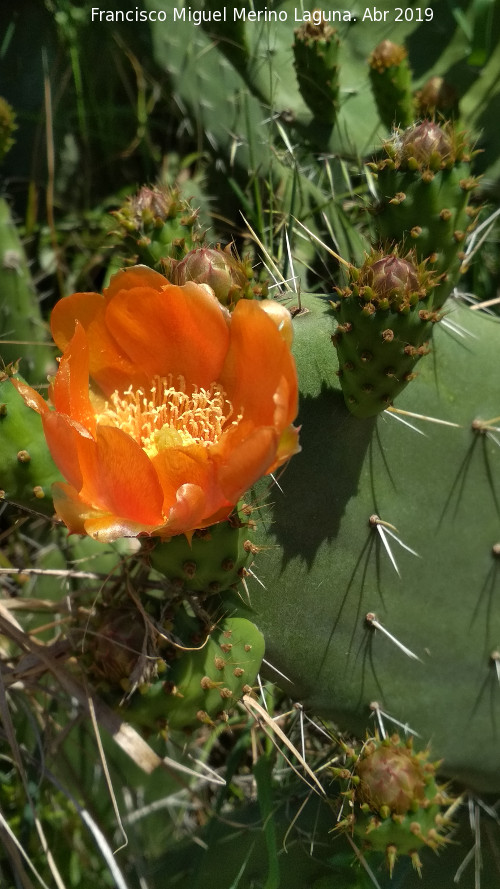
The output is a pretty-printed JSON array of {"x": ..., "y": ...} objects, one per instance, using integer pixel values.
[
  {"x": 23, "y": 332},
  {"x": 325, "y": 565},
  {"x": 385, "y": 320},
  {"x": 202, "y": 684},
  {"x": 27, "y": 470},
  {"x": 315, "y": 51},
  {"x": 214, "y": 560},
  {"x": 390, "y": 79}
]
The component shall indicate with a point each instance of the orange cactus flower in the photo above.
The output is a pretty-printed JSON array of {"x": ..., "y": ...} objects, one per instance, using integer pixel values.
[{"x": 166, "y": 408}]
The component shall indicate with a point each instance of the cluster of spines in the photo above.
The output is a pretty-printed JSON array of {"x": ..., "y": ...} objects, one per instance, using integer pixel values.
[{"x": 396, "y": 805}]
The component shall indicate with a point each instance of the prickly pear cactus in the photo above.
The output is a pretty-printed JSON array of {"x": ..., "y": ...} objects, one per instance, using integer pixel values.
[
  {"x": 157, "y": 223},
  {"x": 27, "y": 470},
  {"x": 213, "y": 560},
  {"x": 424, "y": 186},
  {"x": 379, "y": 562},
  {"x": 204, "y": 677},
  {"x": 23, "y": 331},
  {"x": 385, "y": 318},
  {"x": 390, "y": 79},
  {"x": 315, "y": 52},
  {"x": 396, "y": 806}
]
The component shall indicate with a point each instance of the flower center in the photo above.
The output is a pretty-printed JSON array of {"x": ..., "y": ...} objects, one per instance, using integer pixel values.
[{"x": 163, "y": 416}]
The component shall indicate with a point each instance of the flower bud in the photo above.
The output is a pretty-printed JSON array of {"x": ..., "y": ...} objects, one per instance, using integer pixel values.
[
  {"x": 391, "y": 777},
  {"x": 437, "y": 95},
  {"x": 387, "y": 54},
  {"x": 390, "y": 275},
  {"x": 220, "y": 269},
  {"x": 426, "y": 143}
]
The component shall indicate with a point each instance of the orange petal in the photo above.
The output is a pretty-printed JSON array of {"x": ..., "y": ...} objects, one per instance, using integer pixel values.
[
  {"x": 218, "y": 516},
  {"x": 281, "y": 317},
  {"x": 82, "y": 307},
  {"x": 187, "y": 513},
  {"x": 106, "y": 528},
  {"x": 130, "y": 278},
  {"x": 240, "y": 464},
  {"x": 180, "y": 330},
  {"x": 82, "y": 519},
  {"x": 66, "y": 441},
  {"x": 108, "y": 366},
  {"x": 257, "y": 359},
  {"x": 288, "y": 446},
  {"x": 61, "y": 433},
  {"x": 178, "y": 467},
  {"x": 89, "y": 307},
  {"x": 69, "y": 391},
  {"x": 119, "y": 478},
  {"x": 69, "y": 508}
]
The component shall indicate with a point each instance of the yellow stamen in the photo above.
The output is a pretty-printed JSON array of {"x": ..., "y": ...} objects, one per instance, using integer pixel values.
[{"x": 165, "y": 416}]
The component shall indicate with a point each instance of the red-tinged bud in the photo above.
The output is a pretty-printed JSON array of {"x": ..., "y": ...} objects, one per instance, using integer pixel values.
[
  {"x": 392, "y": 274},
  {"x": 229, "y": 277},
  {"x": 391, "y": 779},
  {"x": 437, "y": 95},
  {"x": 428, "y": 144}
]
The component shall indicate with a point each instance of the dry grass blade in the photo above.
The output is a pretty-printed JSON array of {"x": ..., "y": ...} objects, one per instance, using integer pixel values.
[
  {"x": 17, "y": 757},
  {"x": 107, "y": 775},
  {"x": 256, "y": 709},
  {"x": 16, "y": 847}
]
